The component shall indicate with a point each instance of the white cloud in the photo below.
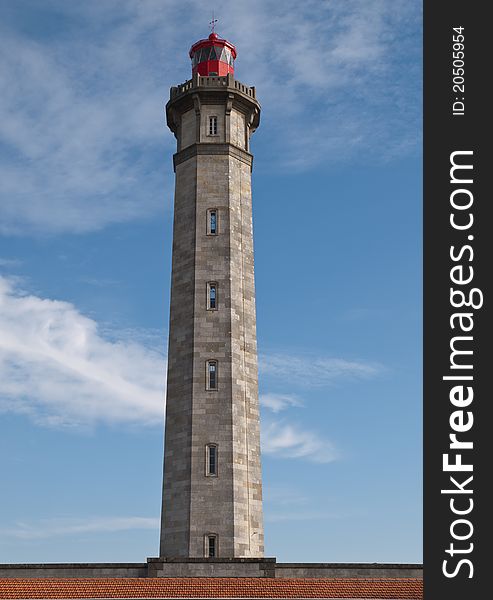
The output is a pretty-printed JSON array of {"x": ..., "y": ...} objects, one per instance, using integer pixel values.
[
  {"x": 57, "y": 367},
  {"x": 82, "y": 123},
  {"x": 9, "y": 262},
  {"x": 56, "y": 527},
  {"x": 344, "y": 74},
  {"x": 278, "y": 402},
  {"x": 283, "y": 440},
  {"x": 60, "y": 370},
  {"x": 81, "y": 115},
  {"x": 315, "y": 371}
]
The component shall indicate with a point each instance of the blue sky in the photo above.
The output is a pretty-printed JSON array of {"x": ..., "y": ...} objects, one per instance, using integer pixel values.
[{"x": 85, "y": 253}]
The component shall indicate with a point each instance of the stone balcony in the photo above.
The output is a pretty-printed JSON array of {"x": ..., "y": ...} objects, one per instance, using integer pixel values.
[{"x": 212, "y": 82}]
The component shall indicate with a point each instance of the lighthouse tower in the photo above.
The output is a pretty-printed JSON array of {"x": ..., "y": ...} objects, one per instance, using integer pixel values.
[{"x": 212, "y": 491}]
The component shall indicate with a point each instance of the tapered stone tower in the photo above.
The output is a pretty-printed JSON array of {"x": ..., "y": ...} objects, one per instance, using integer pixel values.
[{"x": 212, "y": 492}]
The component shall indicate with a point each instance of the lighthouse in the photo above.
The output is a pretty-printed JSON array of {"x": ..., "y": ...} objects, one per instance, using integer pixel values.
[{"x": 212, "y": 487}]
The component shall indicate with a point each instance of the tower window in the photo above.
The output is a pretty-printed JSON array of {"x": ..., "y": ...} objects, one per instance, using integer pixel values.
[
  {"x": 212, "y": 374},
  {"x": 211, "y": 460},
  {"x": 211, "y": 545},
  {"x": 212, "y": 125},
  {"x": 212, "y": 221},
  {"x": 211, "y": 296}
]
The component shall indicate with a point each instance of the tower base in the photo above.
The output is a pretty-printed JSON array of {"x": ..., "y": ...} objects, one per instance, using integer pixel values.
[
  {"x": 211, "y": 567},
  {"x": 229, "y": 568}
]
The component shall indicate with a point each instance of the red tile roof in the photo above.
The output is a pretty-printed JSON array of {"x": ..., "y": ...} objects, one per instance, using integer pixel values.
[{"x": 212, "y": 587}]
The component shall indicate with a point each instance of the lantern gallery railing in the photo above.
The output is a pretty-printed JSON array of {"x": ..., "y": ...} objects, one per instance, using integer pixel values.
[{"x": 211, "y": 81}]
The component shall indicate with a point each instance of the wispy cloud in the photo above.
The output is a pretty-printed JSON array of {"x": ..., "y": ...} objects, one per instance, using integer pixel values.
[
  {"x": 279, "y": 402},
  {"x": 345, "y": 74},
  {"x": 315, "y": 371},
  {"x": 57, "y": 367},
  {"x": 81, "y": 122},
  {"x": 57, "y": 527},
  {"x": 99, "y": 282},
  {"x": 284, "y": 440},
  {"x": 9, "y": 262},
  {"x": 60, "y": 369}
]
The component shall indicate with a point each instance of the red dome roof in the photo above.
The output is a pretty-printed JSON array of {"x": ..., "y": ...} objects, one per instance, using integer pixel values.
[{"x": 213, "y": 56}]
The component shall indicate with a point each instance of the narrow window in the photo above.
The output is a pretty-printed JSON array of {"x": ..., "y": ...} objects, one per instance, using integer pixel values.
[
  {"x": 212, "y": 221},
  {"x": 211, "y": 296},
  {"x": 211, "y": 545},
  {"x": 212, "y": 375},
  {"x": 211, "y": 460},
  {"x": 212, "y": 125}
]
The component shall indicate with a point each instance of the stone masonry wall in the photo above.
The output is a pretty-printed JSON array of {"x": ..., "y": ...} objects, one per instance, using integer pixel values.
[
  {"x": 178, "y": 429},
  {"x": 213, "y": 173},
  {"x": 212, "y": 497},
  {"x": 248, "y": 535}
]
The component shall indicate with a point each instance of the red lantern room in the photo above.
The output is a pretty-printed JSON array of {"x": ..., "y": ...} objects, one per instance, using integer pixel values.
[{"x": 213, "y": 56}]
